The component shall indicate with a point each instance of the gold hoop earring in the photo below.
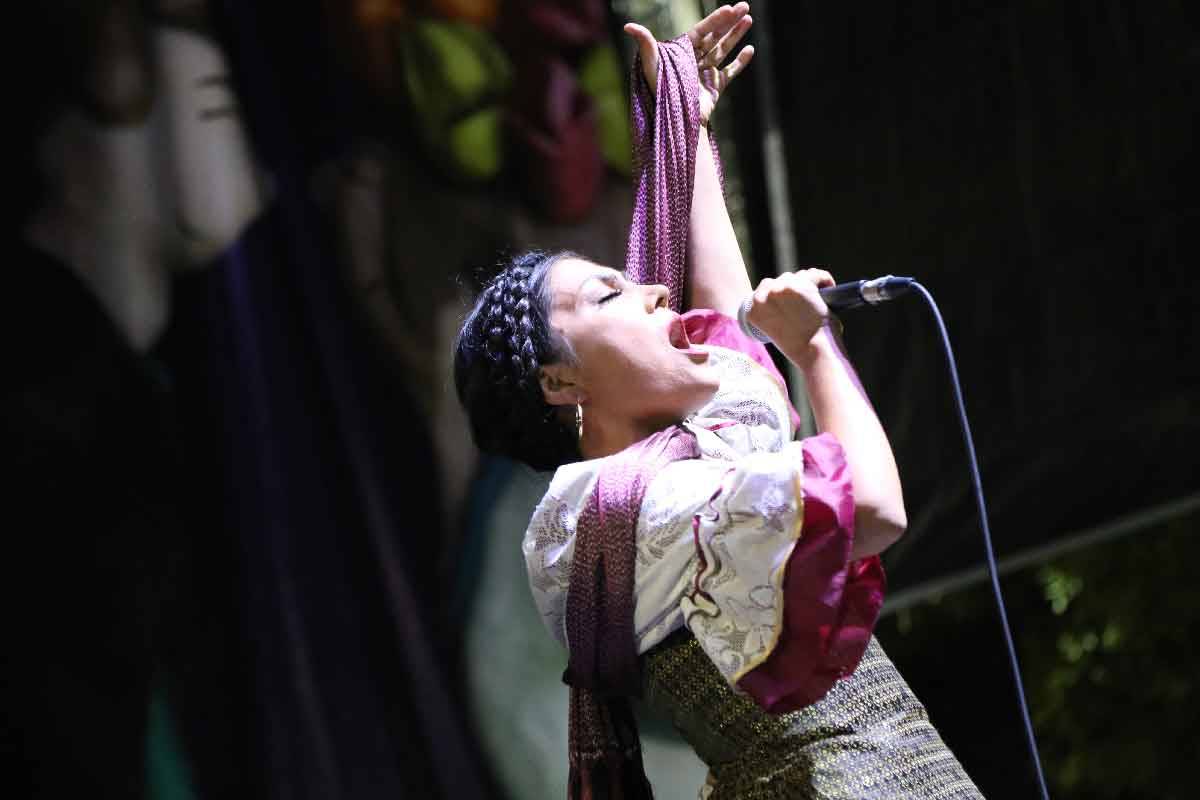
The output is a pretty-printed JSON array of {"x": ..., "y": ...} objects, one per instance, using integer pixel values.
[{"x": 579, "y": 422}]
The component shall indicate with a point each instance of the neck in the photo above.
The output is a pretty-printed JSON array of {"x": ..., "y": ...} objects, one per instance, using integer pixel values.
[{"x": 604, "y": 435}]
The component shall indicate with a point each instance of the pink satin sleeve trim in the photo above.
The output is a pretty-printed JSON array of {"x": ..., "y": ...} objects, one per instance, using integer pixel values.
[
  {"x": 705, "y": 326},
  {"x": 830, "y": 603}
]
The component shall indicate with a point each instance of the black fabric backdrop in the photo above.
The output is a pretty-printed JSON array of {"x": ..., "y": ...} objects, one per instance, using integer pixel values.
[{"x": 1034, "y": 165}]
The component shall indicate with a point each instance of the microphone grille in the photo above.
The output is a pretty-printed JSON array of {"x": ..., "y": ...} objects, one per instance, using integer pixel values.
[{"x": 745, "y": 324}]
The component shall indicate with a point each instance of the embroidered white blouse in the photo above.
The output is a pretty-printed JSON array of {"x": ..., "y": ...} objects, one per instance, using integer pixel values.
[{"x": 714, "y": 533}]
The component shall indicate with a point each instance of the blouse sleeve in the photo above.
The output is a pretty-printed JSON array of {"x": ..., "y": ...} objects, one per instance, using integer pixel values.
[
  {"x": 752, "y": 555},
  {"x": 774, "y": 600}
]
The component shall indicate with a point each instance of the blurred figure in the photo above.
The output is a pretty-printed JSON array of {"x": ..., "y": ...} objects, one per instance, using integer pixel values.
[
  {"x": 144, "y": 165},
  {"x": 135, "y": 167}
]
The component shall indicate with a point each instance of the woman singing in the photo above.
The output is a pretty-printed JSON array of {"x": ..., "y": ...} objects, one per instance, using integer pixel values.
[{"x": 688, "y": 552}]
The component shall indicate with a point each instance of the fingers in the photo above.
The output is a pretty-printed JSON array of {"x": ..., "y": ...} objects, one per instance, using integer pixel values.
[
  {"x": 725, "y": 42},
  {"x": 818, "y": 276},
  {"x": 764, "y": 289},
  {"x": 802, "y": 280},
  {"x": 717, "y": 23},
  {"x": 648, "y": 49},
  {"x": 643, "y": 37},
  {"x": 789, "y": 308},
  {"x": 738, "y": 64}
]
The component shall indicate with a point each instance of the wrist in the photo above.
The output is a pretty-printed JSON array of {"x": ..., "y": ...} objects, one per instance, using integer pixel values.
[{"x": 821, "y": 345}]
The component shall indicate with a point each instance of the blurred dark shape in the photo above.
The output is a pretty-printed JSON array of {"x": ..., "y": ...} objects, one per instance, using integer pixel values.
[
  {"x": 338, "y": 511},
  {"x": 106, "y": 53},
  {"x": 553, "y": 119},
  {"x": 554, "y": 123},
  {"x": 476, "y": 12},
  {"x": 557, "y": 25},
  {"x": 101, "y": 538},
  {"x": 90, "y": 56},
  {"x": 364, "y": 34}
]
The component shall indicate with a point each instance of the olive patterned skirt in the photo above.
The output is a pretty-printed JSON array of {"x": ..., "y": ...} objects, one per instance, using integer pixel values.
[{"x": 868, "y": 738}]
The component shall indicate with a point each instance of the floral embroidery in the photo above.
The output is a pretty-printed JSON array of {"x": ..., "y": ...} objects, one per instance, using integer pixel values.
[{"x": 710, "y": 531}]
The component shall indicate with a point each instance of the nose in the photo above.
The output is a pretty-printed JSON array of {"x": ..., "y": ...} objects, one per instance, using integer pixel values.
[{"x": 656, "y": 296}]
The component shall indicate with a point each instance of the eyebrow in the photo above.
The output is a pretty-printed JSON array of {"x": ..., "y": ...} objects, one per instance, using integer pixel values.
[{"x": 601, "y": 275}]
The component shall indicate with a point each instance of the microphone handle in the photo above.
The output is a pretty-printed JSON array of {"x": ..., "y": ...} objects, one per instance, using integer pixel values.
[
  {"x": 863, "y": 293},
  {"x": 843, "y": 296}
]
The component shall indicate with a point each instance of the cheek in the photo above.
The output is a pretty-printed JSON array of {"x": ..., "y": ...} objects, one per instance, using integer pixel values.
[{"x": 616, "y": 366}]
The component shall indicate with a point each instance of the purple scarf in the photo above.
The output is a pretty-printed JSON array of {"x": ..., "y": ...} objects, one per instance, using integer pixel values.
[
  {"x": 602, "y": 671},
  {"x": 666, "y": 127}
]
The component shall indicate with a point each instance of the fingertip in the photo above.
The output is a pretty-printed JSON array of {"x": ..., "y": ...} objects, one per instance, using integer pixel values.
[{"x": 640, "y": 34}]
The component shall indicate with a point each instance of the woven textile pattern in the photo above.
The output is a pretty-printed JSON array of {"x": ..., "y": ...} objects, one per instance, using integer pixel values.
[
  {"x": 603, "y": 664},
  {"x": 869, "y": 738},
  {"x": 664, "y": 164}
]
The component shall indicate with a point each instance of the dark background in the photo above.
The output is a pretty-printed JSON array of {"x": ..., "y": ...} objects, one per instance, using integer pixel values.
[{"x": 1033, "y": 165}]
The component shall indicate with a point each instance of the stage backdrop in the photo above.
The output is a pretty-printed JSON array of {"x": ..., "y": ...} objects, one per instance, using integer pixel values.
[{"x": 1035, "y": 168}]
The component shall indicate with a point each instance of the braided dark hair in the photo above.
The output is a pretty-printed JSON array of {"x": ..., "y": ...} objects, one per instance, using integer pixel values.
[{"x": 501, "y": 348}]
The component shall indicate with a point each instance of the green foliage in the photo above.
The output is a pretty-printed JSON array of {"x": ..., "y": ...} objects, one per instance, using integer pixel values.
[{"x": 1107, "y": 638}]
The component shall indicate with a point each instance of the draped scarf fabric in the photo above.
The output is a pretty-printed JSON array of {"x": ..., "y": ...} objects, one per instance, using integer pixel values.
[
  {"x": 603, "y": 668},
  {"x": 666, "y": 128},
  {"x": 605, "y": 755}
]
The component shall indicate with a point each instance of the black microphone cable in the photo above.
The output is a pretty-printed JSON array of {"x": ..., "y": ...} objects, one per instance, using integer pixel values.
[
  {"x": 993, "y": 572},
  {"x": 872, "y": 292}
]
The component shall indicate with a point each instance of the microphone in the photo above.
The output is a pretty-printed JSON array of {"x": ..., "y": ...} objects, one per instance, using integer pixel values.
[{"x": 839, "y": 298}]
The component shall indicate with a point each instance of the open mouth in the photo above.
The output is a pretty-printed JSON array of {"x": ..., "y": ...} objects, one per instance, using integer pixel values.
[{"x": 677, "y": 335}]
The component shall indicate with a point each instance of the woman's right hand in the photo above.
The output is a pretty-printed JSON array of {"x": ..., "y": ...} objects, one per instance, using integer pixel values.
[{"x": 790, "y": 310}]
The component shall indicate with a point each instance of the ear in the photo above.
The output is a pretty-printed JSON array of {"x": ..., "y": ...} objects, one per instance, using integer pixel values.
[{"x": 560, "y": 385}]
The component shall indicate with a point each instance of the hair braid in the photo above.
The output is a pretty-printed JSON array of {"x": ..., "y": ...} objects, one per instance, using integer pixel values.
[{"x": 503, "y": 344}]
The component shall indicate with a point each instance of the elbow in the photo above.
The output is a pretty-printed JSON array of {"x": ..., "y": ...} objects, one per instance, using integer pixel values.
[
  {"x": 894, "y": 519},
  {"x": 892, "y": 527},
  {"x": 878, "y": 529}
]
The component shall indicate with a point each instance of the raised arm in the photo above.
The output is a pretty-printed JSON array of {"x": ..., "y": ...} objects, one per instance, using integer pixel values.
[
  {"x": 715, "y": 271},
  {"x": 790, "y": 310}
]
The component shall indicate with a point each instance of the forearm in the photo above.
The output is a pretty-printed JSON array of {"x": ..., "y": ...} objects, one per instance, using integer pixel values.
[
  {"x": 840, "y": 406},
  {"x": 717, "y": 275}
]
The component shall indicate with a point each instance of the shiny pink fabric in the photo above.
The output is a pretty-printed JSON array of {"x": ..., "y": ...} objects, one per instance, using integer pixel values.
[
  {"x": 705, "y": 326},
  {"x": 830, "y": 603}
]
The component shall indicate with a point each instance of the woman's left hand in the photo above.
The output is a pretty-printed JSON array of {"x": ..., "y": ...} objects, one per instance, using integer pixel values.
[{"x": 713, "y": 39}]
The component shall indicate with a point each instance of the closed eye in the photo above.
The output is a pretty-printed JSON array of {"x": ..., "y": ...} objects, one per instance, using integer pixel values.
[{"x": 611, "y": 296}]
